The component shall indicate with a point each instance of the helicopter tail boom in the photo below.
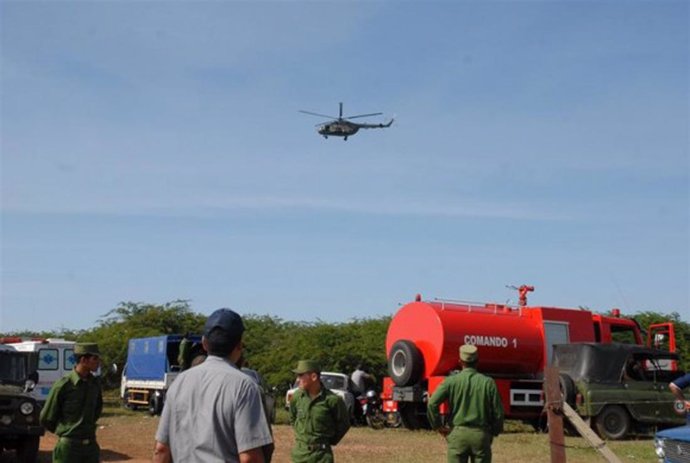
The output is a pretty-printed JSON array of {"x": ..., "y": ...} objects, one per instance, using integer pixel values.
[{"x": 376, "y": 126}]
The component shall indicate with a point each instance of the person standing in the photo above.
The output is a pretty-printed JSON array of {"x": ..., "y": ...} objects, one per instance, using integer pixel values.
[
  {"x": 72, "y": 408},
  {"x": 213, "y": 412},
  {"x": 243, "y": 365},
  {"x": 361, "y": 380},
  {"x": 475, "y": 408},
  {"x": 319, "y": 417},
  {"x": 185, "y": 352}
]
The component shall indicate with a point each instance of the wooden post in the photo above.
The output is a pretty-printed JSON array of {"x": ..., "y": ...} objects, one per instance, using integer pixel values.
[
  {"x": 554, "y": 410},
  {"x": 589, "y": 435}
]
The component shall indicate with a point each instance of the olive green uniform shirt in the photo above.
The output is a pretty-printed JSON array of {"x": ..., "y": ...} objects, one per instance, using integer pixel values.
[
  {"x": 318, "y": 424},
  {"x": 474, "y": 402},
  {"x": 73, "y": 406}
]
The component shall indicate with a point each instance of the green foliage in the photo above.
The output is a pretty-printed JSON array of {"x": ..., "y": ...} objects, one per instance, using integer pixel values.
[{"x": 272, "y": 345}]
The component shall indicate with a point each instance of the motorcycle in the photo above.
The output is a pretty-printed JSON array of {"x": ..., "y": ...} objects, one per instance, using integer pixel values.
[{"x": 372, "y": 410}]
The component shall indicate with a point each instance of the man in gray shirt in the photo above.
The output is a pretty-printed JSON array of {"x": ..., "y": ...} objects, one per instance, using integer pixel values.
[{"x": 213, "y": 412}]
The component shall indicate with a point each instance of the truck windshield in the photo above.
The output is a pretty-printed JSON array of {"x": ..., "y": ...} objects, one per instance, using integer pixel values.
[{"x": 12, "y": 368}]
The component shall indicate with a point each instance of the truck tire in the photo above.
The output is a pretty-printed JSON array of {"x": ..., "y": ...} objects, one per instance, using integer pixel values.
[
  {"x": 27, "y": 449},
  {"x": 568, "y": 389},
  {"x": 613, "y": 422},
  {"x": 413, "y": 415},
  {"x": 156, "y": 403},
  {"x": 405, "y": 363}
]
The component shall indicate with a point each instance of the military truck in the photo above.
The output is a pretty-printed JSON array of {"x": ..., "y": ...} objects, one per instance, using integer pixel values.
[
  {"x": 618, "y": 388},
  {"x": 20, "y": 429}
]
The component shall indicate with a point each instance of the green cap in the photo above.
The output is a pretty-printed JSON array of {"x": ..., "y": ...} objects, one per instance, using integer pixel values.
[
  {"x": 468, "y": 353},
  {"x": 306, "y": 366},
  {"x": 83, "y": 348}
]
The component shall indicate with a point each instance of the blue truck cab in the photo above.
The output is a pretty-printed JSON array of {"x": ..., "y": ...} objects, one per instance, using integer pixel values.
[{"x": 152, "y": 365}]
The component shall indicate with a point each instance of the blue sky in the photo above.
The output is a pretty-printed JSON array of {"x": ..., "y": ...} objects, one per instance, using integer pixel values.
[{"x": 153, "y": 151}]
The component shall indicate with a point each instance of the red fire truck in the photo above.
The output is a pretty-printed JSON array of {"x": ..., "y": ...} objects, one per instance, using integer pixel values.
[{"x": 515, "y": 344}]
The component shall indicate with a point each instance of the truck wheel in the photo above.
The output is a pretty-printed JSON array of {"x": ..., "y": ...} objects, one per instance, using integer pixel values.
[
  {"x": 613, "y": 422},
  {"x": 156, "y": 404},
  {"x": 408, "y": 415},
  {"x": 405, "y": 363},
  {"x": 568, "y": 389},
  {"x": 27, "y": 449}
]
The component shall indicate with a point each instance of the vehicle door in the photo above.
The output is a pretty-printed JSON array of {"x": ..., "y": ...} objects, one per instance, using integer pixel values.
[
  {"x": 662, "y": 336},
  {"x": 641, "y": 390}
]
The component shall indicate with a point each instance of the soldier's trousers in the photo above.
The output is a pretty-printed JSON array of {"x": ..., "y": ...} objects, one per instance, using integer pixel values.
[
  {"x": 469, "y": 445},
  {"x": 302, "y": 454},
  {"x": 75, "y": 451}
]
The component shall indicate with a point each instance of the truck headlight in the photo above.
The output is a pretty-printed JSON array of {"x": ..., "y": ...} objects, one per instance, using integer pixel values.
[
  {"x": 659, "y": 448},
  {"x": 27, "y": 408}
]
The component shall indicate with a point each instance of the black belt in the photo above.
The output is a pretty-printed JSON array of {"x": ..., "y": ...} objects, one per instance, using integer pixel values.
[
  {"x": 313, "y": 447},
  {"x": 74, "y": 440}
]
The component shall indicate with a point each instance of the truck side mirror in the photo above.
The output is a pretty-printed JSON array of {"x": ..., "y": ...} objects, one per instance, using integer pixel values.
[
  {"x": 31, "y": 381},
  {"x": 113, "y": 368}
]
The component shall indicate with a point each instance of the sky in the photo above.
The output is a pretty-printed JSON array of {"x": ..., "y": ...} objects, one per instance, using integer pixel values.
[{"x": 153, "y": 151}]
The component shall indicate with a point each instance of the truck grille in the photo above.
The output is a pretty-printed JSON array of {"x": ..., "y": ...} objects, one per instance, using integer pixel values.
[{"x": 676, "y": 451}]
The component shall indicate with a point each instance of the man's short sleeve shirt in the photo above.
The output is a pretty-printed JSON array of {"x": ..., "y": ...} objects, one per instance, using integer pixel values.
[{"x": 213, "y": 413}]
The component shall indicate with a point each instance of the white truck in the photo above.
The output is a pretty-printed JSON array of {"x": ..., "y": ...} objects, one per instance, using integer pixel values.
[
  {"x": 55, "y": 360},
  {"x": 152, "y": 365}
]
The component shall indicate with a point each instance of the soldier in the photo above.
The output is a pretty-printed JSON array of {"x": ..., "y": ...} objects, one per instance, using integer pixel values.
[
  {"x": 73, "y": 406},
  {"x": 476, "y": 409},
  {"x": 183, "y": 358},
  {"x": 319, "y": 417}
]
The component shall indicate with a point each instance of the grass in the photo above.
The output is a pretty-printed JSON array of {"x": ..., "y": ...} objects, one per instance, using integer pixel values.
[{"x": 518, "y": 444}]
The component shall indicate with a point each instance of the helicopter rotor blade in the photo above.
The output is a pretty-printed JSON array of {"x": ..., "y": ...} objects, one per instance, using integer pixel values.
[
  {"x": 362, "y": 115},
  {"x": 317, "y": 114}
]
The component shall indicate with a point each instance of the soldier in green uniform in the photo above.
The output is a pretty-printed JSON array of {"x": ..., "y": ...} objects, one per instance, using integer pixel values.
[
  {"x": 475, "y": 408},
  {"x": 74, "y": 404},
  {"x": 183, "y": 358},
  {"x": 319, "y": 417}
]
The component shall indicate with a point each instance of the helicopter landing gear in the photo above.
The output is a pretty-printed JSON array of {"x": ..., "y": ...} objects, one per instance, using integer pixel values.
[
  {"x": 326, "y": 137},
  {"x": 345, "y": 139}
]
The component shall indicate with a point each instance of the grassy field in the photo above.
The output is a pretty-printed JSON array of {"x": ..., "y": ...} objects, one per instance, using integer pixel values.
[{"x": 517, "y": 445}]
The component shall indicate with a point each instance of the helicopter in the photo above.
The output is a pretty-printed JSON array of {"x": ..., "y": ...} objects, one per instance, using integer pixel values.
[{"x": 342, "y": 126}]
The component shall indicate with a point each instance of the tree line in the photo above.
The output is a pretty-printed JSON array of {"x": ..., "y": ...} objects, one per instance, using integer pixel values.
[{"x": 273, "y": 345}]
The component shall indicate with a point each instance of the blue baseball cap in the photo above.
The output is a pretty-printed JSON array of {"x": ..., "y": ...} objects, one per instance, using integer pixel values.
[{"x": 225, "y": 319}]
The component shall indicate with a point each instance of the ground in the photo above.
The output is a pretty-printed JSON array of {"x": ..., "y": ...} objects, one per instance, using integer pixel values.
[{"x": 129, "y": 436}]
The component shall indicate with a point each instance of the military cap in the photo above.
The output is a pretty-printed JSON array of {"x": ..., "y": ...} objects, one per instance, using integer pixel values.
[
  {"x": 306, "y": 366},
  {"x": 86, "y": 348},
  {"x": 468, "y": 353},
  {"x": 227, "y": 320}
]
